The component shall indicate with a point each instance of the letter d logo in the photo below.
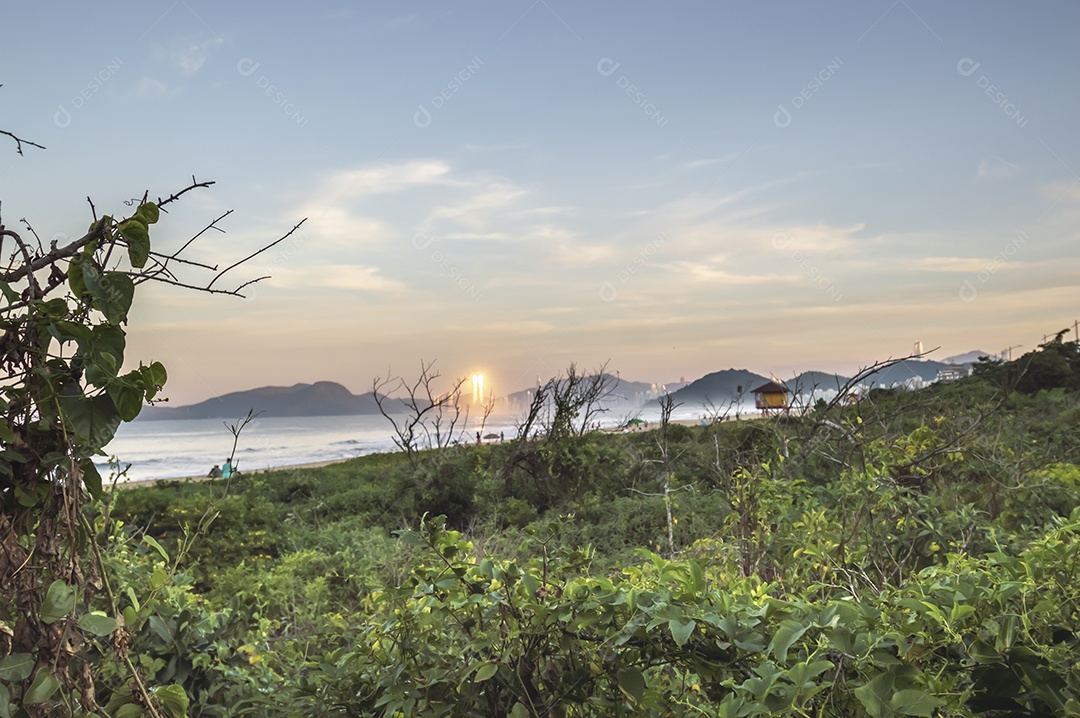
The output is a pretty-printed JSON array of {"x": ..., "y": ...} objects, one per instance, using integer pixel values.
[
  {"x": 422, "y": 118},
  {"x": 782, "y": 118},
  {"x": 62, "y": 118},
  {"x": 607, "y": 66}
]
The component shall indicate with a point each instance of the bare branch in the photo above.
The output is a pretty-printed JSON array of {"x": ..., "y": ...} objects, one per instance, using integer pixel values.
[
  {"x": 19, "y": 141},
  {"x": 257, "y": 253},
  {"x": 54, "y": 255},
  {"x": 173, "y": 197}
]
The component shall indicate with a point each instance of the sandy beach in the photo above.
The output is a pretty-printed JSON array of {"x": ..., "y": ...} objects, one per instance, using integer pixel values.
[{"x": 136, "y": 483}]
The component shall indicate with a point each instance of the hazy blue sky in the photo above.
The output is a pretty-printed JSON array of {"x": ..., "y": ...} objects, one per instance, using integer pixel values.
[{"x": 507, "y": 187}]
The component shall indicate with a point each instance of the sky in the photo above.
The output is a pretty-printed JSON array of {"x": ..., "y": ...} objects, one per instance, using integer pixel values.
[{"x": 508, "y": 187}]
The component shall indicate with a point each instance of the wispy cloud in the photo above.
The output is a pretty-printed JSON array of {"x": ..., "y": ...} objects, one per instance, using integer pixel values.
[
  {"x": 151, "y": 87},
  {"x": 949, "y": 264},
  {"x": 703, "y": 272},
  {"x": 187, "y": 55},
  {"x": 996, "y": 169},
  {"x": 349, "y": 278}
]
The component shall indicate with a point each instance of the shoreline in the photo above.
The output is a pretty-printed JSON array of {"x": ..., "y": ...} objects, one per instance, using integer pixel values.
[
  {"x": 653, "y": 425},
  {"x": 137, "y": 483}
]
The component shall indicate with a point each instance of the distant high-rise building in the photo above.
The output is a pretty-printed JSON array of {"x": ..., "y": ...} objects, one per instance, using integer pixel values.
[{"x": 918, "y": 347}]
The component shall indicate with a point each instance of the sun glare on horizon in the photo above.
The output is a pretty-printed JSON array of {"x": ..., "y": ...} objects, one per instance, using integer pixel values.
[{"x": 478, "y": 388}]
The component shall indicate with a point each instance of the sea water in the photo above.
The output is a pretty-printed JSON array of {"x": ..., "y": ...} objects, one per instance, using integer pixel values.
[{"x": 190, "y": 447}]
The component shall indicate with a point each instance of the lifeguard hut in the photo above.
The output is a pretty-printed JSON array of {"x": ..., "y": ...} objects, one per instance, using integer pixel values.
[{"x": 771, "y": 397}]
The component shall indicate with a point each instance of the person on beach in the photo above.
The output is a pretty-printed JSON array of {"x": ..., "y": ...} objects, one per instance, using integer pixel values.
[
  {"x": 215, "y": 472},
  {"x": 226, "y": 469}
]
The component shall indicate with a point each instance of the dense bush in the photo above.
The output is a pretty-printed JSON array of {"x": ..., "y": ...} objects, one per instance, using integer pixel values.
[{"x": 909, "y": 554}]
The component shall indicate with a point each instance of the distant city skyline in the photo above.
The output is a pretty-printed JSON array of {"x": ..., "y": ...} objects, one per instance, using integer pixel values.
[{"x": 508, "y": 187}]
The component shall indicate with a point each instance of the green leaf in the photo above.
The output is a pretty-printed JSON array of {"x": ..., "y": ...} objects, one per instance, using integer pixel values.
[
  {"x": 16, "y": 667},
  {"x": 152, "y": 543},
  {"x": 632, "y": 683},
  {"x": 5, "y": 702},
  {"x": 681, "y": 629},
  {"x": 66, "y": 331},
  {"x": 41, "y": 690},
  {"x": 873, "y": 695},
  {"x": 486, "y": 671},
  {"x": 173, "y": 699},
  {"x": 148, "y": 212},
  {"x": 75, "y": 277},
  {"x": 410, "y": 538},
  {"x": 138, "y": 242},
  {"x": 91, "y": 478},
  {"x": 519, "y": 711},
  {"x": 106, "y": 354},
  {"x": 98, "y": 624},
  {"x": 6, "y": 434},
  {"x": 803, "y": 672},
  {"x": 154, "y": 377},
  {"x": 158, "y": 578},
  {"x": 915, "y": 702},
  {"x": 10, "y": 295},
  {"x": 789, "y": 632},
  {"x": 127, "y": 398},
  {"x": 112, "y": 293},
  {"x": 94, "y": 420},
  {"x": 129, "y": 710},
  {"x": 59, "y": 602}
]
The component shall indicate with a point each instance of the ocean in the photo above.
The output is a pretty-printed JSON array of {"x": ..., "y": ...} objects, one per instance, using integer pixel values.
[{"x": 190, "y": 447}]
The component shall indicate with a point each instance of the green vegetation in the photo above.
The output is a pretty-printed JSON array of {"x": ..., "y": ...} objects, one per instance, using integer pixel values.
[
  {"x": 913, "y": 553},
  {"x": 74, "y": 588}
]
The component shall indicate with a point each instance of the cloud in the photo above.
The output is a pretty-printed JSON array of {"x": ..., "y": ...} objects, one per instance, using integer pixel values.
[
  {"x": 949, "y": 264},
  {"x": 426, "y": 196},
  {"x": 336, "y": 223},
  {"x": 347, "y": 277},
  {"x": 386, "y": 178},
  {"x": 472, "y": 209},
  {"x": 190, "y": 55},
  {"x": 152, "y": 87},
  {"x": 996, "y": 169},
  {"x": 702, "y": 272},
  {"x": 476, "y": 236},
  {"x": 1064, "y": 191}
]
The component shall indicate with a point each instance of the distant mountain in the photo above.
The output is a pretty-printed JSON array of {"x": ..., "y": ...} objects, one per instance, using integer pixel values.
[
  {"x": 324, "y": 398},
  {"x": 814, "y": 381},
  {"x": 719, "y": 388},
  {"x": 620, "y": 391},
  {"x": 904, "y": 371},
  {"x": 969, "y": 357}
]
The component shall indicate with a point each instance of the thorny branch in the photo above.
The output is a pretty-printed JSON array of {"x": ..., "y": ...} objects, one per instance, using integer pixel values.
[{"x": 19, "y": 141}]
